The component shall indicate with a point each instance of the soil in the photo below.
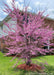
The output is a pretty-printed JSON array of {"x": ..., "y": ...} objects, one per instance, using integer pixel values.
[{"x": 32, "y": 67}]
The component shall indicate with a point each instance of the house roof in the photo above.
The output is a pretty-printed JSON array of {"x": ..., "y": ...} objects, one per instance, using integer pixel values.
[
  {"x": 7, "y": 18},
  {"x": 49, "y": 21}
]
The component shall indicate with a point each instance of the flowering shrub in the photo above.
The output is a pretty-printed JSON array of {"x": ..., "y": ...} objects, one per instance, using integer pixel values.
[{"x": 29, "y": 33}]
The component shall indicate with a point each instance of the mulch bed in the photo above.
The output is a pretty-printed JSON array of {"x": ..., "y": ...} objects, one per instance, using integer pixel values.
[{"x": 32, "y": 67}]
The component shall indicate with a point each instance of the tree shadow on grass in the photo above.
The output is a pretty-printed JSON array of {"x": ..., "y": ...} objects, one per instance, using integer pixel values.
[
  {"x": 24, "y": 72},
  {"x": 49, "y": 69},
  {"x": 21, "y": 72}
]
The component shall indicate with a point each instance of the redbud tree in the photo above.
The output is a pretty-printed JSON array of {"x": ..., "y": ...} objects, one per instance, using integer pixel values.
[{"x": 28, "y": 35}]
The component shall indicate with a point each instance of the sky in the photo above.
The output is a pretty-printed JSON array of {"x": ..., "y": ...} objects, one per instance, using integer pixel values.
[{"x": 34, "y": 6}]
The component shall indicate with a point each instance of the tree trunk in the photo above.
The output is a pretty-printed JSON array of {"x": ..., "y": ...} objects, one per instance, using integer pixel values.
[{"x": 28, "y": 61}]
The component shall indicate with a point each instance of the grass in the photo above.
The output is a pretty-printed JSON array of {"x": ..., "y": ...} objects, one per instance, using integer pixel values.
[{"x": 6, "y": 65}]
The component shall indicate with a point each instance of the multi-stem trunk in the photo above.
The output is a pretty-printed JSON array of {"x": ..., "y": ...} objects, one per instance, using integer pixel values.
[{"x": 28, "y": 62}]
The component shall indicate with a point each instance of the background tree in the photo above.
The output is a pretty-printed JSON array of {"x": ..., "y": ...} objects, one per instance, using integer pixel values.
[{"x": 29, "y": 35}]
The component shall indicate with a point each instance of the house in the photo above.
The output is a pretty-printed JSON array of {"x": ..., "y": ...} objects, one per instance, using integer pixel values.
[
  {"x": 48, "y": 21},
  {"x": 4, "y": 27}
]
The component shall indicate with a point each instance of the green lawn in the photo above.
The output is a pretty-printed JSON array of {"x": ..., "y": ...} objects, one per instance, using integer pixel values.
[{"x": 6, "y": 65}]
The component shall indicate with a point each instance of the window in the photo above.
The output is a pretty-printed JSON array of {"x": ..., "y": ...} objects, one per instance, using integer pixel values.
[{"x": 27, "y": 19}]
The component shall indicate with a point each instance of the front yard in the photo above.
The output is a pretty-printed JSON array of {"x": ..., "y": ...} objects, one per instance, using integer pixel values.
[{"x": 6, "y": 65}]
